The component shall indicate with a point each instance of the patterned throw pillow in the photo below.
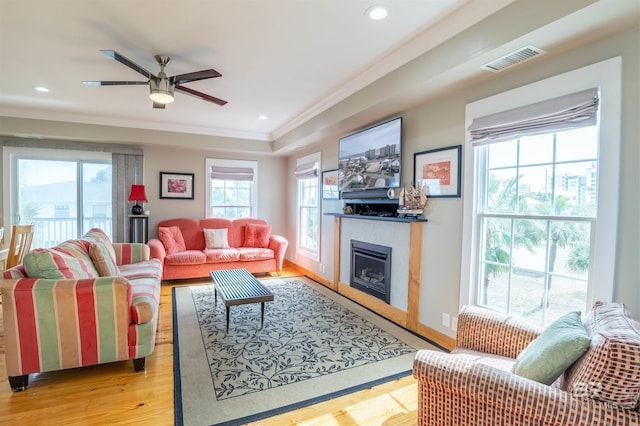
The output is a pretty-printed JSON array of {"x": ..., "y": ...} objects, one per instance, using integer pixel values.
[
  {"x": 172, "y": 239},
  {"x": 216, "y": 238},
  {"x": 80, "y": 250},
  {"x": 102, "y": 253},
  {"x": 257, "y": 235},
  {"x": 52, "y": 264},
  {"x": 103, "y": 260}
]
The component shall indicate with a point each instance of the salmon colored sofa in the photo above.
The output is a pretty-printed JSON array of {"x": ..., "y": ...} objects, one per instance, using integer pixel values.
[{"x": 249, "y": 245}]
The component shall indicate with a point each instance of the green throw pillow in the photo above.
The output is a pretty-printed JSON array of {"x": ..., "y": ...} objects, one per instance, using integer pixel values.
[{"x": 551, "y": 353}]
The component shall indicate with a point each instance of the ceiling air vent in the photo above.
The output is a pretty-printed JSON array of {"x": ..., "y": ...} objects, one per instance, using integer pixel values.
[{"x": 513, "y": 58}]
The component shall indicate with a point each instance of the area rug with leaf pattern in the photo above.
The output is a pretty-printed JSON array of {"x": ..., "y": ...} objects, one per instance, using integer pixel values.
[{"x": 314, "y": 345}]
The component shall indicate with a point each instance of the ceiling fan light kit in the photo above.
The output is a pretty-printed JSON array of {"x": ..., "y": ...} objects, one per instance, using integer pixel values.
[
  {"x": 161, "y": 91},
  {"x": 161, "y": 87}
]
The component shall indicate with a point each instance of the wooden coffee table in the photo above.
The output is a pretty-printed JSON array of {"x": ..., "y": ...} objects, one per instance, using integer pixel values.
[{"x": 238, "y": 287}]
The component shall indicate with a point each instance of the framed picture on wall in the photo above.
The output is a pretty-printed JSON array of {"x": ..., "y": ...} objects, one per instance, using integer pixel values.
[
  {"x": 176, "y": 186},
  {"x": 330, "y": 185},
  {"x": 438, "y": 171}
]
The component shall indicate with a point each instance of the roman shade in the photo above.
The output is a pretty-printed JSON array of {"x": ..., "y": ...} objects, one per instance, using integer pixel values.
[
  {"x": 579, "y": 109},
  {"x": 232, "y": 173},
  {"x": 307, "y": 170}
]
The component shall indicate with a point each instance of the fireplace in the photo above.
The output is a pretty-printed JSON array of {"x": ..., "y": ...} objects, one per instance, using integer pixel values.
[{"x": 371, "y": 269}]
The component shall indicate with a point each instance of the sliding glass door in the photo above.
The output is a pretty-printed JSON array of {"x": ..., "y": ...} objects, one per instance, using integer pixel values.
[{"x": 64, "y": 198}]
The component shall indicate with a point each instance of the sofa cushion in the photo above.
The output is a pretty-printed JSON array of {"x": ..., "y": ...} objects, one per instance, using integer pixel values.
[
  {"x": 80, "y": 250},
  {"x": 98, "y": 235},
  {"x": 249, "y": 254},
  {"x": 188, "y": 257},
  {"x": 151, "y": 268},
  {"x": 103, "y": 260},
  {"x": 145, "y": 297},
  {"x": 496, "y": 361},
  {"x": 256, "y": 235},
  {"x": 52, "y": 264},
  {"x": 171, "y": 238},
  {"x": 16, "y": 272},
  {"x": 610, "y": 370},
  {"x": 102, "y": 253},
  {"x": 551, "y": 353},
  {"x": 222, "y": 255},
  {"x": 216, "y": 238}
]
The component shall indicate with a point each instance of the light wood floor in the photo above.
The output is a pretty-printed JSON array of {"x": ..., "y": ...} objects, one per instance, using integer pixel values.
[{"x": 114, "y": 394}]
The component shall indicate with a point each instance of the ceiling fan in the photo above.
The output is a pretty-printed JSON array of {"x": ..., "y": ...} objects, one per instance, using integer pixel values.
[{"x": 161, "y": 87}]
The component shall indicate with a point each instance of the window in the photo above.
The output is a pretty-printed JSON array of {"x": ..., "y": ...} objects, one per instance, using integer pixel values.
[
  {"x": 537, "y": 215},
  {"x": 308, "y": 206},
  {"x": 58, "y": 191},
  {"x": 538, "y": 211},
  {"x": 231, "y": 188}
]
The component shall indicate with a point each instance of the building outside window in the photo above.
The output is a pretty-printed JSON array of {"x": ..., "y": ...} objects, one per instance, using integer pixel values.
[{"x": 231, "y": 188}]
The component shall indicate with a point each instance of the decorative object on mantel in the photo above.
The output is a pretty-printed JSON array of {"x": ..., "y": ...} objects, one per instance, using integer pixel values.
[
  {"x": 136, "y": 195},
  {"x": 412, "y": 202}
]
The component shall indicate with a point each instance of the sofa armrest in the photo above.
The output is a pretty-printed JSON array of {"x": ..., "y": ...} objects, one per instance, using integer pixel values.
[
  {"x": 454, "y": 389},
  {"x": 128, "y": 253},
  {"x": 492, "y": 332},
  {"x": 157, "y": 250},
  {"x": 279, "y": 245},
  {"x": 57, "y": 324}
]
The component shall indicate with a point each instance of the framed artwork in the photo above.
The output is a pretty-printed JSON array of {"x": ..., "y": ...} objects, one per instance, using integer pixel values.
[
  {"x": 438, "y": 171},
  {"x": 176, "y": 186},
  {"x": 330, "y": 185}
]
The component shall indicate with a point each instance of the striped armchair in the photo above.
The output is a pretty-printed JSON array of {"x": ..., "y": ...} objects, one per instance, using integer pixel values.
[
  {"x": 474, "y": 385},
  {"x": 102, "y": 314}
]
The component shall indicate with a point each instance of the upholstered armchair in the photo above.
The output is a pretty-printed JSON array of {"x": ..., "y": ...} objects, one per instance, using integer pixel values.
[{"x": 475, "y": 385}]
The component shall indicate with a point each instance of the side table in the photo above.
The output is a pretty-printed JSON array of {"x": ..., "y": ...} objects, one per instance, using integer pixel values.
[{"x": 139, "y": 228}]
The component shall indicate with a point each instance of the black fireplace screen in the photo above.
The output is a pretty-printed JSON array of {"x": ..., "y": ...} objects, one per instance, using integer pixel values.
[{"x": 371, "y": 269}]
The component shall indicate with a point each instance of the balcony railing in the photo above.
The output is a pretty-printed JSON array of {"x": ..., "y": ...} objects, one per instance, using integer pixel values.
[{"x": 51, "y": 231}]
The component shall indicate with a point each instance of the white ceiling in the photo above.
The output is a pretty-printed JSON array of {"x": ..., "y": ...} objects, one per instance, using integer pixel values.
[{"x": 287, "y": 59}]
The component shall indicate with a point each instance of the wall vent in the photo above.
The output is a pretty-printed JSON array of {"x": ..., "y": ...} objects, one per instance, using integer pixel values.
[{"x": 513, "y": 58}]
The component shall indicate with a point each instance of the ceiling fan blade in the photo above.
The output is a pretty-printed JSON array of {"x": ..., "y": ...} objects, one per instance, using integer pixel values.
[
  {"x": 200, "y": 95},
  {"x": 158, "y": 105},
  {"x": 114, "y": 83},
  {"x": 195, "y": 76},
  {"x": 118, "y": 57}
]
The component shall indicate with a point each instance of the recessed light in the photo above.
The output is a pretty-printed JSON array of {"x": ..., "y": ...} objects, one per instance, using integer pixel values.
[
  {"x": 41, "y": 89},
  {"x": 377, "y": 13},
  {"x": 262, "y": 117}
]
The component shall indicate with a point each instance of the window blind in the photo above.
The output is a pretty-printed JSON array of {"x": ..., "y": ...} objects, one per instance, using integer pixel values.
[
  {"x": 579, "y": 109},
  {"x": 307, "y": 170},
  {"x": 232, "y": 173}
]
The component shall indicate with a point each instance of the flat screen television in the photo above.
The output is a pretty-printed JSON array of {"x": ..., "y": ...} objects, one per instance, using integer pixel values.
[{"x": 370, "y": 158}]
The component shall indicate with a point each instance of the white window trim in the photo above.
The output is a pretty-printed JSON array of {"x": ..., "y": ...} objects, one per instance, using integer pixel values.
[
  {"x": 303, "y": 251},
  {"x": 210, "y": 162},
  {"x": 607, "y": 76}
]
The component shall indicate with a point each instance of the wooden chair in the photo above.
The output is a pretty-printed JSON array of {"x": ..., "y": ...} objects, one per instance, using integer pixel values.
[
  {"x": 21, "y": 237},
  {"x": 3, "y": 251}
]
